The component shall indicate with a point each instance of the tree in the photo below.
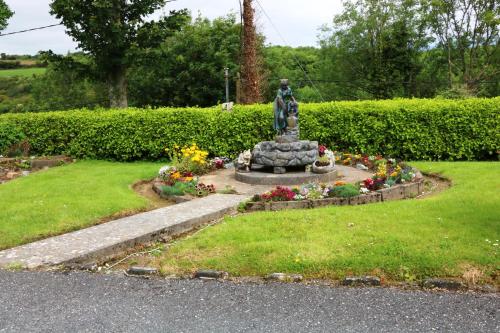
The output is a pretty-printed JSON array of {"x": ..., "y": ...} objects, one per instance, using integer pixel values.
[
  {"x": 112, "y": 31},
  {"x": 187, "y": 69},
  {"x": 373, "y": 49},
  {"x": 65, "y": 85},
  {"x": 467, "y": 30},
  {"x": 5, "y": 14},
  {"x": 250, "y": 66},
  {"x": 282, "y": 62}
]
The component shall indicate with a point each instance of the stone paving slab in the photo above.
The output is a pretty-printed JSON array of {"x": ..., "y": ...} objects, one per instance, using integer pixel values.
[
  {"x": 103, "y": 240},
  {"x": 226, "y": 177}
]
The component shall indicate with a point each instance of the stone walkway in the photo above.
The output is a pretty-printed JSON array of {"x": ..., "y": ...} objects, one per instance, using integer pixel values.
[{"x": 106, "y": 239}]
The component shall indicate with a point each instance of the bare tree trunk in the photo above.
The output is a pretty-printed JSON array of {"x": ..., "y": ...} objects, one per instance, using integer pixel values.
[
  {"x": 117, "y": 84},
  {"x": 450, "y": 83},
  {"x": 250, "y": 70}
]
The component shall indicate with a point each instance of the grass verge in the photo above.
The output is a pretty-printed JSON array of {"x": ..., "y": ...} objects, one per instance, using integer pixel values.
[
  {"x": 450, "y": 234},
  {"x": 22, "y": 71},
  {"x": 68, "y": 198}
]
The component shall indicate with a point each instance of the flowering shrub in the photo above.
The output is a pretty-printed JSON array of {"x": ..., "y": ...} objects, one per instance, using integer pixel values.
[
  {"x": 179, "y": 182},
  {"x": 326, "y": 156},
  {"x": 189, "y": 159},
  {"x": 322, "y": 149},
  {"x": 202, "y": 190},
  {"x": 310, "y": 191},
  {"x": 170, "y": 175},
  {"x": 388, "y": 173},
  {"x": 280, "y": 193}
]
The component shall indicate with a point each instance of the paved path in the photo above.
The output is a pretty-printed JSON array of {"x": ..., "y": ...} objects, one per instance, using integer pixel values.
[
  {"x": 80, "y": 302},
  {"x": 105, "y": 239},
  {"x": 223, "y": 178}
]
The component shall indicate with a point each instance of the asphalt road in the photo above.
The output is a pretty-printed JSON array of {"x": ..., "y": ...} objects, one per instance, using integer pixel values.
[{"x": 80, "y": 302}]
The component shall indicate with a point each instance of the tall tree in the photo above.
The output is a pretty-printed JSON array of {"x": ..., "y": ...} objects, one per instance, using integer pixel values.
[
  {"x": 468, "y": 31},
  {"x": 187, "y": 68},
  {"x": 5, "y": 14},
  {"x": 110, "y": 31},
  {"x": 372, "y": 49},
  {"x": 250, "y": 67}
]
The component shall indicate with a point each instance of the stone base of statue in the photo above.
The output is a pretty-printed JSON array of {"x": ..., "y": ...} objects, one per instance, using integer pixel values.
[
  {"x": 283, "y": 154},
  {"x": 289, "y": 179},
  {"x": 284, "y": 161}
]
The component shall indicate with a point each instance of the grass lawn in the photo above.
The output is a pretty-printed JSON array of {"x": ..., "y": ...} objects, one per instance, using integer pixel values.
[
  {"x": 444, "y": 235},
  {"x": 21, "y": 71},
  {"x": 67, "y": 198}
]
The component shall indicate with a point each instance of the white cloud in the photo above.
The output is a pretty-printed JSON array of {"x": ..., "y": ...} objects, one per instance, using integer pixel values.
[{"x": 296, "y": 20}]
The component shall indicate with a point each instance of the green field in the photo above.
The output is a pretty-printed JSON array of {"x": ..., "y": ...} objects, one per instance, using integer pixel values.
[
  {"x": 449, "y": 234},
  {"x": 22, "y": 72},
  {"x": 68, "y": 198}
]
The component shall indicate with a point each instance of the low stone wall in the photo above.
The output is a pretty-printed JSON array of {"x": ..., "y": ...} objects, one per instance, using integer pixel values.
[{"x": 398, "y": 192}]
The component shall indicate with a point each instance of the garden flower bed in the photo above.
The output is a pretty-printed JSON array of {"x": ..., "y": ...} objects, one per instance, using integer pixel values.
[
  {"x": 392, "y": 180},
  {"x": 179, "y": 182},
  {"x": 12, "y": 168}
]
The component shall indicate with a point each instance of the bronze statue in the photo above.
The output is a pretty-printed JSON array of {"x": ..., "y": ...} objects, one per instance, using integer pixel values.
[{"x": 285, "y": 109}]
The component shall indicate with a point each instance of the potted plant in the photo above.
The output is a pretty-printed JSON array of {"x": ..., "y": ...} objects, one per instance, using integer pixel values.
[{"x": 323, "y": 165}]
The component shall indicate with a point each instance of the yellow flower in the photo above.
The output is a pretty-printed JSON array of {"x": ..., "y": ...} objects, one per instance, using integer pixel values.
[{"x": 394, "y": 174}]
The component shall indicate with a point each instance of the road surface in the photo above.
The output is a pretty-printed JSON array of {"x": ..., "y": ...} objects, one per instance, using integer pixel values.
[{"x": 81, "y": 302}]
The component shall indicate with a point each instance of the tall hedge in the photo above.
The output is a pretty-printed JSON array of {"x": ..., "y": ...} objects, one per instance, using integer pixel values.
[{"x": 411, "y": 129}]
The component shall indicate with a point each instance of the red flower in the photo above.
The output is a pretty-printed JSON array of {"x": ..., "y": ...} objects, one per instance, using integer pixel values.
[
  {"x": 219, "y": 164},
  {"x": 369, "y": 183},
  {"x": 322, "y": 149}
]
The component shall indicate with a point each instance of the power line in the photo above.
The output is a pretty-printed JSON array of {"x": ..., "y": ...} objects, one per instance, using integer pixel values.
[
  {"x": 32, "y": 29},
  {"x": 286, "y": 43}
]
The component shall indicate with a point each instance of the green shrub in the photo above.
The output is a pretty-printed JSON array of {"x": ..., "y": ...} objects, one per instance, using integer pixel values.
[
  {"x": 345, "y": 191},
  {"x": 412, "y": 129},
  {"x": 178, "y": 189},
  {"x": 9, "y": 135}
]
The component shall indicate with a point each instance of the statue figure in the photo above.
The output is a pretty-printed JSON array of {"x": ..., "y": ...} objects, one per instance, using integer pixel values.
[{"x": 285, "y": 109}]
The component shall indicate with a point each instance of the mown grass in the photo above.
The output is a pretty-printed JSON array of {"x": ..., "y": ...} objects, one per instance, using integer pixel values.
[
  {"x": 68, "y": 198},
  {"x": 441, "y": 236},
  {"x": 22, "y": 72}
]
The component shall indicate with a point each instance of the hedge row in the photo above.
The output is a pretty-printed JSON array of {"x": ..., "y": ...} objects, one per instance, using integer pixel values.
[{"x": 415, "y": 129}]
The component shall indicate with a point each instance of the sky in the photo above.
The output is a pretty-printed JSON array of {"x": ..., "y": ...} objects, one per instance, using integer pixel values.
[{"x": 296, "y": 22}]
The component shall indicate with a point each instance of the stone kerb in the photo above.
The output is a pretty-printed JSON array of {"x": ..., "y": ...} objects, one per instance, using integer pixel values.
[{"x": 398, "y": 192}]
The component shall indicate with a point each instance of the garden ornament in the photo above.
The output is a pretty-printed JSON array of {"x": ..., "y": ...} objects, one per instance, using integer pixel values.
[{"x": 244, "y": 161}]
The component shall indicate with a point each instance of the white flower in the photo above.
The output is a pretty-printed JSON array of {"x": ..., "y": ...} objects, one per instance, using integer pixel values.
[
  {"x": 331, "y": 156},
  {"x": 164, "y": 170},
  {"x": 364, "y": 190},
  {"x": 298, "y": 197}
]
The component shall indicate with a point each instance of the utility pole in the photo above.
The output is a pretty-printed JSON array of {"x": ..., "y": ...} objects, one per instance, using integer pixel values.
[
  {"x": 238, "y": 88},
  {"x": 226, "y": 75}
]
